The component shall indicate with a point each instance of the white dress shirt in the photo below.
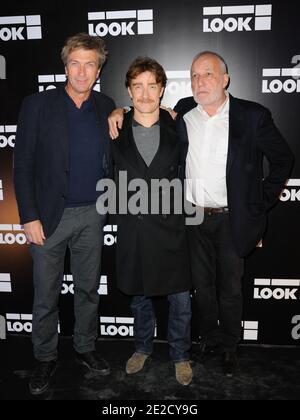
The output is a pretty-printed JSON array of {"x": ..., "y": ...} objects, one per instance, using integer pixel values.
[{"x": 207, "y": 156}]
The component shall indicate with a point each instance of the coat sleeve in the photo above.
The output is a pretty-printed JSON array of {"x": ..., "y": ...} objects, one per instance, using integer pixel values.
[
  {"x": 185, "y": 105},
  {"x": 109, "y": 169},
  {"x": 24, "y": 160},
  {"x": 184, "y": 144},
  {"x": 279, "y": 155}
]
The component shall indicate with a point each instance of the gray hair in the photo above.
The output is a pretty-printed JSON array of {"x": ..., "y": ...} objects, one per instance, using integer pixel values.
[{"x": 223, "y": 63}]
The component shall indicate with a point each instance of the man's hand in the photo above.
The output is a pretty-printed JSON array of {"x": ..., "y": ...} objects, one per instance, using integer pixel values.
[
  {"x": 115, "y": 122},
  {"x": 170, "y": 111},
  {"x": 34, "y": 232}
]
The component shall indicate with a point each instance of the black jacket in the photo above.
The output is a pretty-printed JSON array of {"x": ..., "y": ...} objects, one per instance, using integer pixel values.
[
  {"x": 41, "y": 158},
  {"x": 152, "y": 256},
  {"x": 252, "y": 135}
]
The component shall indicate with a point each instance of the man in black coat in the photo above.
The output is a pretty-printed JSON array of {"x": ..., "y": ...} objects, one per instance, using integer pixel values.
[
  {"x": 152, "y": 257},
  {"x": 62, "y": 150},
  {"x": 226, "y": 139}
]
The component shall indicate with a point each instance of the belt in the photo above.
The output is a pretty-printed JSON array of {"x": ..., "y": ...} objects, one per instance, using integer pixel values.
[{"x": 209, "y": 211}]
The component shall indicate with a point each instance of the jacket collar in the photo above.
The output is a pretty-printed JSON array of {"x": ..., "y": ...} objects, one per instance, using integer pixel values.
[{"x": 236, "y": 131}]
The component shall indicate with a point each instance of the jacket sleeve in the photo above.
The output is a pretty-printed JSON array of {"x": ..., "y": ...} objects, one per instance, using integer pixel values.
[
  {"x": 109, "y": 168},
  {"x": 24, "y": 160},
  {"x": 184, "y": 144},
  {"x": 279, "y": 155},
  {"x": 185, "y": 105}
]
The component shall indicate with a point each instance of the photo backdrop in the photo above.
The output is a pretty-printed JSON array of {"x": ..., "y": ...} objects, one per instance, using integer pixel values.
[{"x": 260, "y": 42}]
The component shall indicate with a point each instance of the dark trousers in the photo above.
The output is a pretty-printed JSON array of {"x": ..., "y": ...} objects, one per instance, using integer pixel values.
[
  {"x": 80, "y": 229},
  {"x": 217, "y": 271},
  {"x": 179, "y": 325}
]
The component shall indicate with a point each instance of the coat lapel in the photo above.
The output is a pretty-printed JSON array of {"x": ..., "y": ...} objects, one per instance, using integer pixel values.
[
  {"x": 61, "y": 120},
  {"x": 165, "y": 150},
  {"x": 131, "y": 154},
  {"x": 104, "y": 133},
  {"x": 127, "y": 146},
  {"x": 236, "y": 132}
]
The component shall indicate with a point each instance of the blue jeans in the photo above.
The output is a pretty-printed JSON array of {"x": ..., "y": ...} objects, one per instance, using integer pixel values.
[{"x": 179, "y": 325}]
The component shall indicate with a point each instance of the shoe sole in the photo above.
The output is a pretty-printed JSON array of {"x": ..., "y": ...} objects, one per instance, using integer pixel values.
[
  {"x": 41, "y": 391},
  {"x": 45, "y": 388},
  {"x": 104, "y": 372},
  {"x": 180, "y": 383},
  {"x": 135, "y": 372},
  {"x": 185, "y": 383}
]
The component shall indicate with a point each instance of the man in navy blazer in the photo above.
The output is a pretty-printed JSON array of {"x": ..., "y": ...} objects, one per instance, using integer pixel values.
[
  {"x": 226, "y": 139},
  {"x": 62, "y": 150}
]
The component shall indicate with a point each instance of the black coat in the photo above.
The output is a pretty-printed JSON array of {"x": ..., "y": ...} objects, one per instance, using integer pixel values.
[
  {"x": 152, "y": 257},
  {"x": 252, "y": 135},
  {"x": 41, "y": 157}
]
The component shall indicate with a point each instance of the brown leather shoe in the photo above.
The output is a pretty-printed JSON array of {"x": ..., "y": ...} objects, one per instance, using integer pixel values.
[
  {"x": 136, "y": 363},
  {"x": 184, "y": 373}
]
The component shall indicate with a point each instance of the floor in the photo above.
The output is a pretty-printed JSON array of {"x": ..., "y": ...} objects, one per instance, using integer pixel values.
[{"x": 264, "y": 374}]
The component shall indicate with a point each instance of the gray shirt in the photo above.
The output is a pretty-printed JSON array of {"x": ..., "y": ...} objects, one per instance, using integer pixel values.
[{"x": 146, "y": 140}]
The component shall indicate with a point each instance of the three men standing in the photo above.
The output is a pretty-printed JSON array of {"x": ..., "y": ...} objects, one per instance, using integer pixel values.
[{"x": 62, "y": 150}]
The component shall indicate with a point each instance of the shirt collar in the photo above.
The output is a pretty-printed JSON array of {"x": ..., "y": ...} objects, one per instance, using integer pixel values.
[
  {"x": 87, "y": 104},
  {"x": 137, "y": 124}
]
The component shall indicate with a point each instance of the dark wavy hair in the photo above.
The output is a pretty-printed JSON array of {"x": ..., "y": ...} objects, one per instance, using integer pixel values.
[{"x": 143, "y": 64}]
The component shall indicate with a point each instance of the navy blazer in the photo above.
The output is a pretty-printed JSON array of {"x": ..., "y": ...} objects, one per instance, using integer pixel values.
[
  {"x": 252, "y": 135},
  {"x": 41, "y": 157}
]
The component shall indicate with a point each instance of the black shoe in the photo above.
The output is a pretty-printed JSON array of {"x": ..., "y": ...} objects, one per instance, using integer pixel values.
[
  {"x": 230, "y": 363},
  {"x": 93, "y": 362},
  {"x": 40, "y": 379},
  {"x": 206, "y": 349}
]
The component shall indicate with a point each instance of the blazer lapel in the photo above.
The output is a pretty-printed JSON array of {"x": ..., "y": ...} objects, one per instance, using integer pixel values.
[
  {"x": 128, "y": 148},
  {"x": 162, "y": 156},
  {"x": 104, "y": 133},
  {"x": 236, "y": 132},
  {"x": 166, "y": 146},
  {"x": 61, "y": 121}
]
